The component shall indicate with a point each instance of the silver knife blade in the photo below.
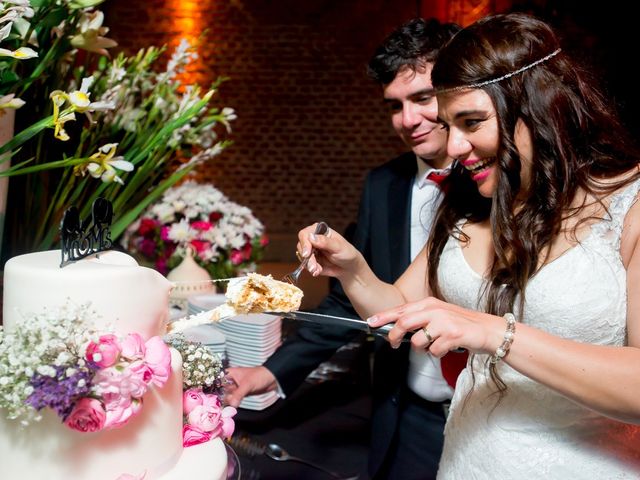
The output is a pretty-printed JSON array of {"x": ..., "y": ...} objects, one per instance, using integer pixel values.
[{"x": 361, "y": 325}]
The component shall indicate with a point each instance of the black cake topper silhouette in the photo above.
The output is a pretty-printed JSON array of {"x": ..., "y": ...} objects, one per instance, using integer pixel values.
[{"x": 81, "y": 238}]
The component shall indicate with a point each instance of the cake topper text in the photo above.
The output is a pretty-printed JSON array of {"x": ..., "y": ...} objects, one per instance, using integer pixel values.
[{"x": 81, "y": 238}]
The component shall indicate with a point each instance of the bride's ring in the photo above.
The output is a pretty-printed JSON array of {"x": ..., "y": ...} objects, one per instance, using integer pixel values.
[
  {"x": 298, "y": 256},
  {"x": 428, "y": 335}
]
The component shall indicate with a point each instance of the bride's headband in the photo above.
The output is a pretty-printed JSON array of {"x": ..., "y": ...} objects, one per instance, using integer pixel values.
[{"x": 503, "y": 77}]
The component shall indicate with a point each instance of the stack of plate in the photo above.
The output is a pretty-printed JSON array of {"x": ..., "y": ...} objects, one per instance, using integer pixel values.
[
  {"x": 250, "y": 340},
  {"x": 203, "y": 302}
]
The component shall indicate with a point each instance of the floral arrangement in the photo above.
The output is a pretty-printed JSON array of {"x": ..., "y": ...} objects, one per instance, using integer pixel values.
[
  {"x": 95, "y": 381},
  {"x": 205, "y": 418},
  {"x": 92, "y": 381},
  {"x": 120, "y": 128},
  {"x": 226, "y": 238}
]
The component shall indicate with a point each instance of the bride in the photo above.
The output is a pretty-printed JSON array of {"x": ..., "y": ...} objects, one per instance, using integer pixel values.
[{"x": 533, "y": 265}]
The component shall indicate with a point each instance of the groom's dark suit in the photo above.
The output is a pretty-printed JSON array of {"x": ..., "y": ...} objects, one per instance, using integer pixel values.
[{"x": 382, "y": 234}]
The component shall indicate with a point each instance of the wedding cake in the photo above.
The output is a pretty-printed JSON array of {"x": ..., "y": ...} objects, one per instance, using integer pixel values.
[{"x": 126, "y": 299}]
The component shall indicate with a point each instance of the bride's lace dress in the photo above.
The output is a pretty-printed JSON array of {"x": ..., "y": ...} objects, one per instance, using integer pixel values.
[{"x": 535, "y": 432}]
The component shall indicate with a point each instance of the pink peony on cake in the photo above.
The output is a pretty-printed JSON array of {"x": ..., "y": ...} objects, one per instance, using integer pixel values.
[{"x": 146, "y": 440}]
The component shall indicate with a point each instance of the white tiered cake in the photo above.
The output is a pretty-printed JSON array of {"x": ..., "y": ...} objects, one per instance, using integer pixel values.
[{"x": 131, "y": 299}]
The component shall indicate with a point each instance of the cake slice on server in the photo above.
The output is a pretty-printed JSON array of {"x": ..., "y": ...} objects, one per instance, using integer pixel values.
[{"x": 254, "y": 293}]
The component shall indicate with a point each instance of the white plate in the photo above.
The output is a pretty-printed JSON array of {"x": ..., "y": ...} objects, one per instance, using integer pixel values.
[
  {"x": 205, "y": 334},
  {"x": 205, "y": 301}
]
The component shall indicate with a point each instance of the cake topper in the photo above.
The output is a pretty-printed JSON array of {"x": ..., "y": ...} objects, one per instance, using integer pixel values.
[{"x": 81, "y": 238}]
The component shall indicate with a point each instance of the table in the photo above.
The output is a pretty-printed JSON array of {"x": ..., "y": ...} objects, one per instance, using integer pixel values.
[{"x": 326, "y": 423}]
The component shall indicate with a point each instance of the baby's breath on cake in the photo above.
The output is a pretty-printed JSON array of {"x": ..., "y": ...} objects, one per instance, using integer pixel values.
[
  {"x": 42, "y": 364},
  {"x": 200, "y": 367}
]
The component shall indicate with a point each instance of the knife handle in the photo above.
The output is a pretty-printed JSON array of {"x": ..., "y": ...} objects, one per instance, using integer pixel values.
[{"x": 384, "y": 330}]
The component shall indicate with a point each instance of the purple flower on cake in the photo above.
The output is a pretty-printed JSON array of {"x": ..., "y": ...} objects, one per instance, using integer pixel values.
[{"x": 59, "y": 388}]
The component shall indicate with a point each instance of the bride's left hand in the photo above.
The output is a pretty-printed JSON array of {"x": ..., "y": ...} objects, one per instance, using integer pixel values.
[{"x": 449, "y": 326}]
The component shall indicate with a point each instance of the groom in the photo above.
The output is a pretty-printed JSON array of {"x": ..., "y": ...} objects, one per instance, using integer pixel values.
[{"x": 399, "y": 200}]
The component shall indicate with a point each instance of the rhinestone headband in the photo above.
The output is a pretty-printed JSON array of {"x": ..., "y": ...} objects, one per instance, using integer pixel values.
[{"x": 503, "y": 77}]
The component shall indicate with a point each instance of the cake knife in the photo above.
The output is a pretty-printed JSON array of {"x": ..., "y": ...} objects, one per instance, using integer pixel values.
[{"x": 357, "y": 324}]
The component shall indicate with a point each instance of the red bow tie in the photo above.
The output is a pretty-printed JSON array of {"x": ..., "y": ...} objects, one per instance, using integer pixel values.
[{"x": 437, "y": 177}]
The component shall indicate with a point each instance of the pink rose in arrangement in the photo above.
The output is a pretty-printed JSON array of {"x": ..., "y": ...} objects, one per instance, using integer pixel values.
[
  {"x": 158, "y": 359},
  {"x": 193, "y": 436},
  {"x": 87, "y": 415},
  {"x": 147, "y": 226},
  {"x": 194, "y": 397},
  {"x": 228, "y": 425},
  {"x": 206, "y": 418},
  {"x": 204, "y": 414},
  {"x": 119, "y": 411},
  {"x": 201, "y": 226},
  {"x": 133, "y": 347},
  {"x": 237, "y": 257},
  {"x": 140, "y": 373},
  {"x": 105, "y": 353}
]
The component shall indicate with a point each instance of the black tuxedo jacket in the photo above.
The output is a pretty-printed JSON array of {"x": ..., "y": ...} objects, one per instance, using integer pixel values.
[{"x": 382, "y": 234}]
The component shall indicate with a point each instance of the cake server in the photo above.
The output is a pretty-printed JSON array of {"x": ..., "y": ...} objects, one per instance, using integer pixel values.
[{"x": 361, "y": 325}]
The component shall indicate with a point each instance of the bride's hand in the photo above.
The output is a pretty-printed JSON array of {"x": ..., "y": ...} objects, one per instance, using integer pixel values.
[
  {"x": 334, "y": 256},
  {"x": 448, "y": 327}
]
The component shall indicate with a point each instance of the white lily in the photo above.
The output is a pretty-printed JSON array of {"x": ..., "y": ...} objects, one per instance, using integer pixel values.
[
  {"x": 22, "y": 53},
  {"x": 91, "y": 36},
  {"x": 103, "y": 164},
  {"x": 79, "y": 99},
  {"x": 9, "y": 101},
  {"x": 5, "y": 31}
]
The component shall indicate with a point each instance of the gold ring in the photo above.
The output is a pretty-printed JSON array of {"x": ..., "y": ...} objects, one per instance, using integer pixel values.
[
  {"x": 428, "y": 335},
  {"x": 298, "y": 256}
]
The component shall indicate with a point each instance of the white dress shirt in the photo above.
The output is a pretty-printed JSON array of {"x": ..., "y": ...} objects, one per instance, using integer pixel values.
[{"x": 425, "y": 375}]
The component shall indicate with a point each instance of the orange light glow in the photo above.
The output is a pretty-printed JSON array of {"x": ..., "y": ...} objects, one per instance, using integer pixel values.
[{"x": 188, "y": 25}]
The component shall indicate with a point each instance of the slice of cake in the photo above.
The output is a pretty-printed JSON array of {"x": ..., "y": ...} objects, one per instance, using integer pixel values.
[
  {"x": 258, "y": 293},
  {"x": 254, "y": 293}
]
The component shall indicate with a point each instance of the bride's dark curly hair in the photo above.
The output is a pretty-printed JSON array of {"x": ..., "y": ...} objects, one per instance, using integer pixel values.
[{"x": 578, "y": 143}]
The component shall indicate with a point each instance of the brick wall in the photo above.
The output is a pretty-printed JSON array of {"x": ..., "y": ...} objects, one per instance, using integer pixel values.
[{"x": 310, "y": 123}]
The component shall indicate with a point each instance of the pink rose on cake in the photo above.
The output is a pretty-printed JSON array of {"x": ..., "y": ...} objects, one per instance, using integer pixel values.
[
  {"x": 88, "y": 415},
  {"x": 205, "y": 417},
  {"x": 105, "y": 352},
  {"x": 133, "y": 347},
  {"x": 158, "y": 358}
]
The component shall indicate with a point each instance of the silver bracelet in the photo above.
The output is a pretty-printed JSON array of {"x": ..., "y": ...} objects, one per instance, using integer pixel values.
[{"x": 503, "y": 349}]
